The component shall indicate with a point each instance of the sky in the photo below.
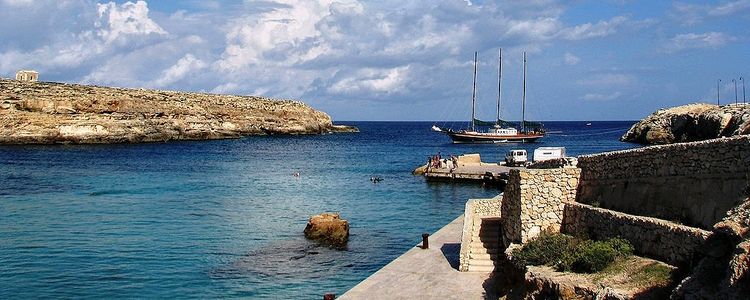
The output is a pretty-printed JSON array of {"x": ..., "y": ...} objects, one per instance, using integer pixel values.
[{"x": 393, "y": 60}]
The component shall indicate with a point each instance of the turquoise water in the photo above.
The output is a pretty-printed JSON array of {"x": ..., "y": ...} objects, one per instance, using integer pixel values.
[{"x": 209, "y": 219}]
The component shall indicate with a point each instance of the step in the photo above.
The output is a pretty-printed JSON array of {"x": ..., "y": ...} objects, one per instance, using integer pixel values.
[
  {"x": 484, "y": 250},
  {"x": 487, "y": 241},
  {"x": 481, "y": 262},
  {"x": 486, "y": 228},
  {"x": 481, "y": 268},
  {"x": 483, "y": 256},
  {"x": 483, "y": 244}
]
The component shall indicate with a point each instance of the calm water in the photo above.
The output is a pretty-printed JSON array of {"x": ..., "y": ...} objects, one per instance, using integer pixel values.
[{"x": 211, "y": 219}]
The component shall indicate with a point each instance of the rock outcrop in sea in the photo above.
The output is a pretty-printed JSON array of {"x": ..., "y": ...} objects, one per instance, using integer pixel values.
[
  {"x": 689, "y": 123},
  {"x": 49, "y": 113},
  {"x": 329, "y": 229}
]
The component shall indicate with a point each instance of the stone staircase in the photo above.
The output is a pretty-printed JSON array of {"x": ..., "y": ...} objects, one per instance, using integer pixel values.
[{"x": 485, "y": 245}]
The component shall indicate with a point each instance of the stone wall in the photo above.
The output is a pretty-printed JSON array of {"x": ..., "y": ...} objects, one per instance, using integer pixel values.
[
  {"x": 534, "y": 201},
  {"x": 669, "y": 242},
  {"x": 693, "y": 183},
  {"x": 475, "y": 209}
]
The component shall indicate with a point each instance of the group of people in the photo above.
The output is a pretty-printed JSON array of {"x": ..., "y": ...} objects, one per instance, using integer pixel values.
[{"x": 438, "y": 162}]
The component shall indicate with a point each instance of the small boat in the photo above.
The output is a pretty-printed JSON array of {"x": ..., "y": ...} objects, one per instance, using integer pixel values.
[
  {"x": 588, "y": 124},
  {"x": 496, "y": 134}
]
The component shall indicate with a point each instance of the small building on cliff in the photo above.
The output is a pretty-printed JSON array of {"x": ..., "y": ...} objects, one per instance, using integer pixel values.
[{"x": 27, "y": 75}]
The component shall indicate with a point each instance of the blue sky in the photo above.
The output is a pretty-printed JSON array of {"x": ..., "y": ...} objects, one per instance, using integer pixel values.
[{"x": 395, "y": 60}]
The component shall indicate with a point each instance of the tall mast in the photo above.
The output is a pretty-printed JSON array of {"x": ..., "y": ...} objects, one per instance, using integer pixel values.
[
  {"x": 523, "y": 111},
  {"x": 499, "y": 85},
  {"x": 474, "y": 93}
]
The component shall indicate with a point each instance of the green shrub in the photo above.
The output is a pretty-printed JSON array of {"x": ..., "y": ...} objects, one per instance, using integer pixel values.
[
  {"x": 622, "y": 246},
  {"x": 570, "y": 254},
  {"x": 546, "y": 249}
]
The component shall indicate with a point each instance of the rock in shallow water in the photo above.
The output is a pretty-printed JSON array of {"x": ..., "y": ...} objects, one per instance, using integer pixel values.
[{"x": 329, "y": 229}]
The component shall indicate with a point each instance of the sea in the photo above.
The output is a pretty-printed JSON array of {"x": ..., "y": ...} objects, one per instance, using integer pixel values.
[{"x": 224, "y": 218}]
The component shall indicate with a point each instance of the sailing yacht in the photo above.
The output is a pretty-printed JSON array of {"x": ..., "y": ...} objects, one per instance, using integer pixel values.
[{"x": 496, "y": 134}]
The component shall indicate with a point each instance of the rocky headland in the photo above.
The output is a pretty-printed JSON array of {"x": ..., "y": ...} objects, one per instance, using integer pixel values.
[
  {"x": 690, "y": 123},
  {"x": 50, "y": 113}
]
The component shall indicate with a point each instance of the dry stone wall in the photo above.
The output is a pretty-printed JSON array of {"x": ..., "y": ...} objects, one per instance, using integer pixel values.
[
  {"x": 669, "y": 242},
  {"x": 693, "y": 183},
  {"x": 534, "y": 201}
]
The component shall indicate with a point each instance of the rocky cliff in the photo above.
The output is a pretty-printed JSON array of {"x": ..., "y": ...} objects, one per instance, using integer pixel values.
[
  {"x": 47, "y": 113},
  {"x": 689, "y": 123}
]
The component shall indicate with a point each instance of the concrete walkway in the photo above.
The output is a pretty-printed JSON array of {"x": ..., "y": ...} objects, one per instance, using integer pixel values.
[{"x": 427, "y": 274}]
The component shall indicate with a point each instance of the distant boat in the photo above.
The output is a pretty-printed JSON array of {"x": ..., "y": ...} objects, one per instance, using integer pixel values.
[
  {"x": 588, "y": 124},
  {"x": 496, "y": 134}
]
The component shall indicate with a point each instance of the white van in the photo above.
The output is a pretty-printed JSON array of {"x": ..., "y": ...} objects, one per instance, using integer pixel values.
[
  {"x": 547, "y": 153},
  {"x": 516, "y": 157}
]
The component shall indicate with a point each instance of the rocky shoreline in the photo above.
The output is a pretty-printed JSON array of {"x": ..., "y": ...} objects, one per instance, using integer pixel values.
[
  {"x": 690, "y": 123},
  {"x": 58, "y": 113}
]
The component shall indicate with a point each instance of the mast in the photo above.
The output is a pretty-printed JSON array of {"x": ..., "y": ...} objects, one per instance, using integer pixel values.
[
  {"x": 499, "y": 86},
  {"x": 523, "y": 110},
  {"x": 474, "y": 93}
]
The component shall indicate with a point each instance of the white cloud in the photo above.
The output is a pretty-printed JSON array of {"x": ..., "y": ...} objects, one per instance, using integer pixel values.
[
  {"x": 589, "y": 30},
  {"x": 17, "y": 2},
  {"x": 179, "y": 70},
  {"x": 386, "y": 81},
  {"x": 571, "y": 59},
  {"x": 601, "y": 97},
  {"x": 126, "y": 19},
  {"x": 690, "y": 14},
  {"x": 710, "y": 40},
  {"x": 729, "y": 8},
  {"x": 318, "y": 50}
]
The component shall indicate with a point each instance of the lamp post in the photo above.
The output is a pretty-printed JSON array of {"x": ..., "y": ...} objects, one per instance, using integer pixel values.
[
  {"x": 743, "y": 90},
  {"x": 718, "y": 82},
  {"x": 735, "y": 90}
]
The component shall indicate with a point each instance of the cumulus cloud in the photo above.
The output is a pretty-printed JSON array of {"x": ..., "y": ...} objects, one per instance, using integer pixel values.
[
  {"x": 126, "y": 19},
  {"x": 179, "y": 70},
  {"x": 707, "y": 40},
  {"x": 318, "y": 50}
]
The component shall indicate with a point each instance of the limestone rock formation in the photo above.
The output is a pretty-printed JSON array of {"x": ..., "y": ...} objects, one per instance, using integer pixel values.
[
  {"x": 328, "y": 228},
  {"x": 48, "y": 113},
  {"x": 724, "y": 272},
  {"x": 689, "y": 123}
]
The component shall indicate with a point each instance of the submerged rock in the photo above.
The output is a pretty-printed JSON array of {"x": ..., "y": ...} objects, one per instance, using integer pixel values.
[
  {"x": 329, "y": 229},
  {"x": 689, "y": 123},
  {"x": 49, "y": 113}
]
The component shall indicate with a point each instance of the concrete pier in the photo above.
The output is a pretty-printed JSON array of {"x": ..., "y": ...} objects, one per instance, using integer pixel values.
[
  {"x": 427, "y": 273},
  {"x": 478, "y": 172}
]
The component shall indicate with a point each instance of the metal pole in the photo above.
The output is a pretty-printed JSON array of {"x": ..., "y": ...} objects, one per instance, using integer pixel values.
[
  {"x": 735, "y": 90},
  {"x": 474, "y": 93},
  {"x": 743, "y": 90},
  {"x": 499, "y": 85},
  {"x": 718, "y": 82},
  {"x": 523, "y": 109}
]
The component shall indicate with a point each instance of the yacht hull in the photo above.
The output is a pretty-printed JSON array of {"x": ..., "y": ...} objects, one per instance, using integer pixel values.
[{"x": 484, "y": 138}]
